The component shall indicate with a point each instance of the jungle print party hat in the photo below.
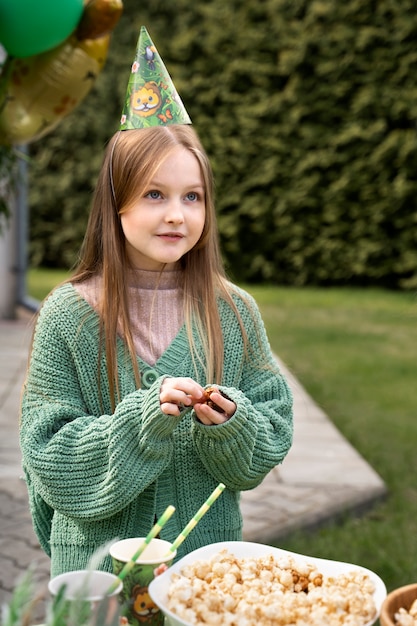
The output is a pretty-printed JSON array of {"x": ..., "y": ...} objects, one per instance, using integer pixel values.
[{"x": 151, "y": 98}]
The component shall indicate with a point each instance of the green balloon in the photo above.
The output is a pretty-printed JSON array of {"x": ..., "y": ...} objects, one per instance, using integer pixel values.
[{"x": 29, "y": 27}]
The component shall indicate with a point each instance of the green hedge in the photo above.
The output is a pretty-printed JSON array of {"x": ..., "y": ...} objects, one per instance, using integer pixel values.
[{"x": 308, "y": 110}]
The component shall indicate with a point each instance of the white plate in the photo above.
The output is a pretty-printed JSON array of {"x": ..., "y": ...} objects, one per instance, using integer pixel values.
[{"x": 158, "y": 588}]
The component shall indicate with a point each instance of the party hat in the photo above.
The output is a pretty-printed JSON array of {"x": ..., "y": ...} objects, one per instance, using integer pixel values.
[{"x": 151, "y": 98}]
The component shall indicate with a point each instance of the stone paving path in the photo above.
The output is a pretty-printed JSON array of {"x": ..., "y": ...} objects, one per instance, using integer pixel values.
[{"x": 322, "y": 477}]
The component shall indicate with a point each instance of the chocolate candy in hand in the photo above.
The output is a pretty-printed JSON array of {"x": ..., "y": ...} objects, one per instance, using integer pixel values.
[{"x": 207, "y": 398}]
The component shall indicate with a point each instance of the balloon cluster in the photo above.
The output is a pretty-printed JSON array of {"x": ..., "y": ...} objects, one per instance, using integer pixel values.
[{"x": 55, "y": 51}]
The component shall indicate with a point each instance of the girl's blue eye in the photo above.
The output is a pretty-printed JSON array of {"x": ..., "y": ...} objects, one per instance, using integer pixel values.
[
  {"x": 154, "y": 195},
  {"x": 192, "y": 196}
]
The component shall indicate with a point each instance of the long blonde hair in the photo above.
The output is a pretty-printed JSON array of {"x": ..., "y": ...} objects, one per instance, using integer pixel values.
[{"x": 131, "y": 160}]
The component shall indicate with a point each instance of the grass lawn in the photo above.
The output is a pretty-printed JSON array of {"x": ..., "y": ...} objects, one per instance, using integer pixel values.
[
  {"x": 355, "y": 352},
  {"x": 40, "y": 281}
]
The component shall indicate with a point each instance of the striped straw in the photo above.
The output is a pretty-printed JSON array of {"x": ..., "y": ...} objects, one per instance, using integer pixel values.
[
  {"x": 197, "y": 517},
  {"x": 152, "y": 533}
]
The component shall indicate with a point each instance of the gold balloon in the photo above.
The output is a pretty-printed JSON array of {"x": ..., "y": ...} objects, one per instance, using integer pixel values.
[{"x": 37, "y": 92}]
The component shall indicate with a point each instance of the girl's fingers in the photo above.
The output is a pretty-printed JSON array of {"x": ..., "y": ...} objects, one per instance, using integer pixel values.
[
  {"x": 177, "y": 393},
  {"x": 227, "y": 406},
  {"x": 170, "y": 409},
  {"x": 186, "y": 385},
  {"x": 175, "y": 396},
  {"x": 209, "y": 416}
]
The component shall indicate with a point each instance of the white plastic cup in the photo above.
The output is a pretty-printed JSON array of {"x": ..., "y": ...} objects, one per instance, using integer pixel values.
[{"x": 84, "y": 591}]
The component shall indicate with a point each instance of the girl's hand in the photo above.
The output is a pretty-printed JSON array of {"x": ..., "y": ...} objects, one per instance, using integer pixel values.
[
  {"x": 177, "y": 393},
  {"x": 209, "y": 416}
]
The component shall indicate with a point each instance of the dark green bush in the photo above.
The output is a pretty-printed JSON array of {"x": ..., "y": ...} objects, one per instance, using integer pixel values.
[{"x": 308, "y": 110}]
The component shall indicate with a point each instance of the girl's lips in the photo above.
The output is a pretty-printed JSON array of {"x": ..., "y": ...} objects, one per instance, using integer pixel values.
[{"x": 171, "y": 235}]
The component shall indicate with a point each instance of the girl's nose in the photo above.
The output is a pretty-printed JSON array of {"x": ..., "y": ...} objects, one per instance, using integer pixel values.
[{"x": 174, "y": 213}]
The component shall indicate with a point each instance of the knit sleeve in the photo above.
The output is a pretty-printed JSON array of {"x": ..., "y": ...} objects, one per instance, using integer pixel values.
[
  {"x": 258, "y": 436},
  {"x": 86, "y": 465}
]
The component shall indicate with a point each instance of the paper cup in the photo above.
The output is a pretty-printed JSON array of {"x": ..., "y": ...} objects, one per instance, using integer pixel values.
[
  {"x": 139, "y": 607},
  {"x": 85, "y": 591}
]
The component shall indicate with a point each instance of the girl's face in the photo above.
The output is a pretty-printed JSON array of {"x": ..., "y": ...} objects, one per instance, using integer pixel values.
[{"x": 167, "y": 221}]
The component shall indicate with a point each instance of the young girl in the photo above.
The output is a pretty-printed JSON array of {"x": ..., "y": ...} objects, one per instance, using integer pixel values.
[{"x": 114, "y": 423}]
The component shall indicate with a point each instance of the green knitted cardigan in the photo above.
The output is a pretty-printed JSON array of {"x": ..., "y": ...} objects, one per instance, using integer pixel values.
[{"x": 94, "y": 476}]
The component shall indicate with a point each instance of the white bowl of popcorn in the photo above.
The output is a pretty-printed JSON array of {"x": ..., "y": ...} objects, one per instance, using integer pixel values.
[{"x": 251, "y": 584}]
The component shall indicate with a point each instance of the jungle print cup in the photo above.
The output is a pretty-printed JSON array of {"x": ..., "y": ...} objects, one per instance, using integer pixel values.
[{"x": 139, "y": 609}]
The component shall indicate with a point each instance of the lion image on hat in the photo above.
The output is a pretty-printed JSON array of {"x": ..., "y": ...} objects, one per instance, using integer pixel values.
[{"x": 146, "y": 100}]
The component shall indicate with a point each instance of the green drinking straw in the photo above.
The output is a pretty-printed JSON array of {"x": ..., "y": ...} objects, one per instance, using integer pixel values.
[
  {"x": 197, "y": 517},
  {"x": 152, "y": 533}
]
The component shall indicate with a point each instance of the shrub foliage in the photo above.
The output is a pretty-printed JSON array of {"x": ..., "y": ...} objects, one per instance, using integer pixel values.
[{"x": 308, "y": 110}]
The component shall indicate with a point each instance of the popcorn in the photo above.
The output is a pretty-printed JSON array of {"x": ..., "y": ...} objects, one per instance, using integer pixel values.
[
  {"x": 269, "y": 591},
  {"x": 407, "y": 618}
]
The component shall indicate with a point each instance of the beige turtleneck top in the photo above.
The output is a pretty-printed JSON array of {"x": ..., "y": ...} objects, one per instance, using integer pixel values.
[{"x": 155, "y": 309}]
